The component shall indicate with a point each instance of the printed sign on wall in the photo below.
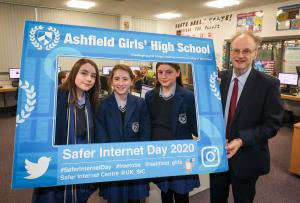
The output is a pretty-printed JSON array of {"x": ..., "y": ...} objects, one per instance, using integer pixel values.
[
  {"x": 37, "y": 162},
  {"x": 203, "y": 27},
  {"x": 251, "y": 21},
  {"x": 288, "y": 17}
]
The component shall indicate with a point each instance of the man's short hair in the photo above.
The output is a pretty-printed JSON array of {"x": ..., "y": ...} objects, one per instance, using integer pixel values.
[{"x": 255, "y": 38}]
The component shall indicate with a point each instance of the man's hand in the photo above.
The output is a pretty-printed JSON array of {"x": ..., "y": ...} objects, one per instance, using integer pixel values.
[{"x": 233, "y": 146}]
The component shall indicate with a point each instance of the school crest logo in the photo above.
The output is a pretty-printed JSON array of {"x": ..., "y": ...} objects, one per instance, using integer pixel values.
[
  {"x": 135, "y": 127},
  {"x": 44, "y": 38},
  {"x": 182, "y": 118}
]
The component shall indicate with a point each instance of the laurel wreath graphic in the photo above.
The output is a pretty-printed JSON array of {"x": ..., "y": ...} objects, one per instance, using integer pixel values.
[
  {"x": 212, "y": 81},
  {"x": 30, "y": 102},
  {"x": 49, "y": 46},
  {"x": 32, "y": 37},
  {"x": 55, "y": 40}
]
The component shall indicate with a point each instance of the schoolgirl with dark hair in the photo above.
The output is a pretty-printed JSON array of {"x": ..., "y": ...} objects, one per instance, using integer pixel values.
[
  {"x": 76, "y": 101},
  {"x": 173, "y": 117}
]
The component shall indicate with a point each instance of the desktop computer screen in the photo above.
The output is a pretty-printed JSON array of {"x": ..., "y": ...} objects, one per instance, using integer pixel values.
[
  {"x": 14, "y": 73},
  {"x": 106, "y": 70},
  {"x": 288, "y": 78},
  {"x": 144, "y": 90}
]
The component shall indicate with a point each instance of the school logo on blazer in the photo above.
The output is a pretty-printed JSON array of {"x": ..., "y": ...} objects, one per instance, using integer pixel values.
[
  {"x": 182, "y": 118},
  {"x": 135, "y": 127}
]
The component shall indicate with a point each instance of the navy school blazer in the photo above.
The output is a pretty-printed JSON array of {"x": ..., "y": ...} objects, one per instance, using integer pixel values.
[
  {"x": 109, "y": 124},
  {"x": 183, "y": 105},
  {"x": 62, "y": 119}
]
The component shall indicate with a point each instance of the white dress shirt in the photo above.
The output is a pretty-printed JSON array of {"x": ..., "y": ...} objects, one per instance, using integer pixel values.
[{"x": 241, "y": 82}]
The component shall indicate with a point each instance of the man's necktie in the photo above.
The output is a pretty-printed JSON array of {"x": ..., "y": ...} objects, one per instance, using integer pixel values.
[{"x": 232, "y": 106}]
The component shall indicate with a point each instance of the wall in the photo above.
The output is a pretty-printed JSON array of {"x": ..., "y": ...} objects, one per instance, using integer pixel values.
[
  {"x": 166, "y": 27},
  {"x": 12, "y": 18},
  {"x": 228, "y": 28}
]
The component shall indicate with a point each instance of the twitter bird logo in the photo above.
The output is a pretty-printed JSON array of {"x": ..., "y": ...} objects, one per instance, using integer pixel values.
[{"x": 38, "y": 169}]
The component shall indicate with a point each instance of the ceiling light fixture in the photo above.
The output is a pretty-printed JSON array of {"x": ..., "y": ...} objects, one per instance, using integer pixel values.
[
  {"x": 168, "y": 15},
  {"x": 222, "y": 3},
  {"x": 80, "y": 4}
]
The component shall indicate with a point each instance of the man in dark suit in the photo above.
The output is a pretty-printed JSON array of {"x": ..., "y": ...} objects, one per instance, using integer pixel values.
[{"x": 252, "y": 110}]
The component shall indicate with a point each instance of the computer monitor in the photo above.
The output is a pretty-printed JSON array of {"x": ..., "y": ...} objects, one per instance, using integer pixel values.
[
  {"x": 288, "y": 79},
  {"x": 106, "y": 70},
  {"x": 144, "y": 90},
  {"x": 14, "y": 73},
  {"x": 135, "y": 68}
]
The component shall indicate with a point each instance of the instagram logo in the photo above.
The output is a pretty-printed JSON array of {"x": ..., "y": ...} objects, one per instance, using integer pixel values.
[{"x": 210, "y": 156}]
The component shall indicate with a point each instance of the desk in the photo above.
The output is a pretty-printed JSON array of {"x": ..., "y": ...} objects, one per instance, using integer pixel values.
[
  {"x": 290, "y": 97},
  {"x": 291, "y": 104},
  {"x": 5, "y": 90},
  {"x": 295, "y": 153}
]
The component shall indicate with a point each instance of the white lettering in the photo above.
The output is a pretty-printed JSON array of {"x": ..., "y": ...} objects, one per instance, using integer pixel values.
[
  {"x": 81, "y": 154},
  {"x": 190, "y": 48},
  {"x": 163, "y": 47},
  {"x": 132, "y": 44},
  {"x": 157, "y": 150},
  {"x": 116, "y": 152},
  {"x": 90, "y": 40}
]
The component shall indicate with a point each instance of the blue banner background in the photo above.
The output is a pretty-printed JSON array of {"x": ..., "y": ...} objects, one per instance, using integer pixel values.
[{"x": 35, "y": 124}]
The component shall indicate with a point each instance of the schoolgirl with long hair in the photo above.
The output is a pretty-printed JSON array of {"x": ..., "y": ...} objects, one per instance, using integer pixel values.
[
  {"x": 173, "y": 117},
  {"x": 77, "y": 99}
]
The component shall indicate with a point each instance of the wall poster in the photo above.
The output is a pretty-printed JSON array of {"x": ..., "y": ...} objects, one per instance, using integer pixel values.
[
  {"x": 291, "y": 57},
  {"x": 288, "y": 17},
  {"x": 251, "y": 21}
]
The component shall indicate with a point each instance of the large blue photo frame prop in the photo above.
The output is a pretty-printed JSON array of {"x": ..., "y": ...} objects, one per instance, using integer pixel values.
[{"x": 38, "y": 163}]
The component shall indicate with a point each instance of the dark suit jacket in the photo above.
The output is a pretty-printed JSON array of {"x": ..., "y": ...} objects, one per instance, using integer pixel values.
[{"x": 257, "y": 118}]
